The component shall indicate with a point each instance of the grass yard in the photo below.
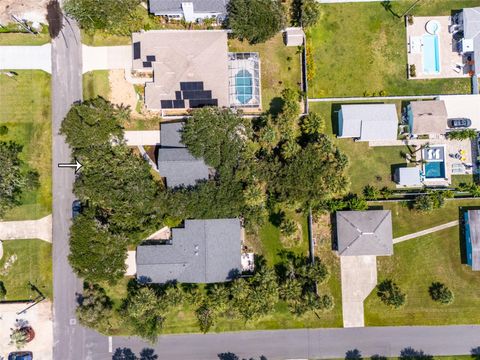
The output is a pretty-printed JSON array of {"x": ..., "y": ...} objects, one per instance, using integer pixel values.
[
  {"x": 414, "y": 266},
  {"x": 367, "y": 165},
  {"x": 406, "y": 221},
  {"x": 33, "y": 264},
  {"x": 23, "y": 39},
  {"x": 361, "y": 47},
  {"x": 96, "y": 83},
  {"x": 25, "y": 110},
  {"x": 280, "y": 67}
]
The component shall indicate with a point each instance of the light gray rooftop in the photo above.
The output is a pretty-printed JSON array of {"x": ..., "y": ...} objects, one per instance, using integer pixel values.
[
  {"x": 204, "y": 251},
  {"x": 369, "y": 121},
  {"x": 364, "y": 232},
  {"x": 175, "y": 6},
  {"x": 471, "y": 30},
  {"x": 408, "y": 176},
  {"x": 175, "y": 163}
]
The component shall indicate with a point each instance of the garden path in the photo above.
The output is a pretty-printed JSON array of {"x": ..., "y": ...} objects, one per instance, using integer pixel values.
[{"x": 426, "y": 231}]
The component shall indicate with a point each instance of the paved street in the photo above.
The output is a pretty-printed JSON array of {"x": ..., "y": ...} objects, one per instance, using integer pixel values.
[
  {"x": 71, "y": 341},
  {"x": 312, "y": 344}
]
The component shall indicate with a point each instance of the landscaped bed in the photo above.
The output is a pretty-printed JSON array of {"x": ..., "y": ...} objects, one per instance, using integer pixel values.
[
  {"x": 25, "y": 110},
  {"x": 361, "y": 48},
  {"x": 414, "y": 266},
  {"x": 29, "y": 262}
]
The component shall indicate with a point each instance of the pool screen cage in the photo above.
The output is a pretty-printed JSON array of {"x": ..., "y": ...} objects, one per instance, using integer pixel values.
[{"x": 244, "y": 80}]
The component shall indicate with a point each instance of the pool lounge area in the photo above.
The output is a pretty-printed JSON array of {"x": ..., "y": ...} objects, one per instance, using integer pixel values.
[
  {"x": 434, "y": 167},
  {"x": 430, "y": 47}
]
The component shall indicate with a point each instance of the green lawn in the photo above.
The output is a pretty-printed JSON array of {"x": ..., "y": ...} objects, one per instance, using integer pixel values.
[
  {"x": 414, "y": 266},
  {"x": 280, "y": 67},
  {"x": 25, "y": 110},
  {"x": 33, "y": 264},
  {"x": 367, "y": 165},
  {"x": 361, "y": 47},
  {"x": 23, "y": 39},
  {"x": 96, "y": 83},
  {"x": 406, "y": 221}
]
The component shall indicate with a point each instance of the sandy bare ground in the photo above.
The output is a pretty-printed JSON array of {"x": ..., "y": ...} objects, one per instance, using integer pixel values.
[
  {"x": 31, "y": 10},
  {"x": 121, "y": 91}
]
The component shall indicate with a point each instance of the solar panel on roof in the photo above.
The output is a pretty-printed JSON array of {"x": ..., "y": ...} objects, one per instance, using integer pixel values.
[
  {"x": 191, "y": 85},
  {"x": 179, "y": 104},
  {"x": 136, "y": 50},
  {"x": 147, "y": 64},
  {"x": 197, "y": 95},
  {"x": 151, "y": 58},
  {"x": 166, "y": 104},
  {"x": 178, "y": 95},
  {"x": 203, "y": 102}
]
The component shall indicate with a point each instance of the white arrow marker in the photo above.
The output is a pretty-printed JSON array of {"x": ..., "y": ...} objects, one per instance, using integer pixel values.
[{"x": 75, "y": 165}]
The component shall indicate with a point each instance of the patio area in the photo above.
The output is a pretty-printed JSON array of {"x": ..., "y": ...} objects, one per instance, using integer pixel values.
[{"x": 434, "y": 54}]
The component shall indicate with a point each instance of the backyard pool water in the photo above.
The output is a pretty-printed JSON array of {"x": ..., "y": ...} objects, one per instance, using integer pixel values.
[
  {"x": 244, "y": 86},
  {"x": 434, "y": 167},
  {"x": 431, "y": 54}
]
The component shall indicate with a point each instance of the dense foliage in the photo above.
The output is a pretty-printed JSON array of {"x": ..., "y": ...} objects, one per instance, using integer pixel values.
[
  {"x": 390, "y": 294},
  {"x": 431, "y": 200},
  {"x": 462, "y": 134},
  {"x": 255, "y": 20},
  {"x": 14, "y": 178},
  {"x": 305, "y": 13},
  {"x": 440, "y": 293},
  {"x": 95, "y": 308},
  {"x": 115, "y": 186},
  {"x": 114, "y": 16}
]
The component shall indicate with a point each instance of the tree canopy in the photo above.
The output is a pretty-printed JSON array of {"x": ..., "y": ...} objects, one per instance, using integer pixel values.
[
  {"x": 15, "y": 178},
  {"x": 255, "y": 20},
  {"x": 114, "y": 16}
]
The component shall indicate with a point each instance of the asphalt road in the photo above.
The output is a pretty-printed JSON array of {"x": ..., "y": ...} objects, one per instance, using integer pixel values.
[{"x": 71, "y": 341}]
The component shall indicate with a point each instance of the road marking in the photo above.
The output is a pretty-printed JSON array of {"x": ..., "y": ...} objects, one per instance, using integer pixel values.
[
  {"x": 110, "y": 345},
  {"x": 73, "y": 321}
]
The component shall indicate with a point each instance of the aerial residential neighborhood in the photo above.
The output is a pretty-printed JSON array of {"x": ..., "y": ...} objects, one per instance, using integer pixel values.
[{"x": 239, "y": 179}]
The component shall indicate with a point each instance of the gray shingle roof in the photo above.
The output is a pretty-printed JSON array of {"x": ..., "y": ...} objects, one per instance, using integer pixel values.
[
  {"x": 171, "y": 6},
  {"x": 369, "y": 121},
  {"x": 364, "y": 232},
  {"x": 471, "y": 30},
  {"x": 204, "y": 251},
  {"x": 175, "y": 162}
]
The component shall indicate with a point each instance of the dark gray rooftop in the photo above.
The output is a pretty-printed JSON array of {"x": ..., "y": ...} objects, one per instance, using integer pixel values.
[
  {"x": 171, "y": 6},
  {"x": 204, "y": 251},
  {"x": 364, "y": 232},
  {"x": 175, "y": 162}
]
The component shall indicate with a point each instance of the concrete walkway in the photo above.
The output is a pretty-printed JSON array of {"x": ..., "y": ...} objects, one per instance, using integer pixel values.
[
  {"x": 142, "y": 137},
  {"x": 26, "y": 58},
  {"x": 425, "y": 232},
  {"x": 30, "y": 229},
  {"x": 106, "y": 57},
  {"x": 359, "y": 278}
]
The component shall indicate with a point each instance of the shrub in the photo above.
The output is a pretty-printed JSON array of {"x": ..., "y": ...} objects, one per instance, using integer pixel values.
[
  {"x": 412, "y": 70},
  {"x": 440, "y": 293},
  {"x": 390, "y": 294},
  {"x": 463, "y": 134},
  {"x": 371, "y": 192},
  {"x": 410, "y": 19},
  {"x": 288, "y": 227},
  {"x": 430, "y": 201},
  {"x": 311, "y": 65},
  {"x": 386, "y": 192},
  {"x": 3, "y": 130},
  {"x": 354, "y": 202}
]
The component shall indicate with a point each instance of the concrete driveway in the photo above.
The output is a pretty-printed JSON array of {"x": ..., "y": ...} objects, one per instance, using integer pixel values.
[
  {"x": 142, "y": 137},
  {"x": 26, "y": 58},
  {"x": 359, "y": 278},
  {"x": 39, "y": 317},
  {"x": 29, "y": 229},
  {"x": 106, "y": 57}
]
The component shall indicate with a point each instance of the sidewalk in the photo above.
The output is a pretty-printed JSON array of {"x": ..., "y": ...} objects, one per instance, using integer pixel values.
[
  {"x": 425, "y": 232},
  {"x": 30, "y": 229}
]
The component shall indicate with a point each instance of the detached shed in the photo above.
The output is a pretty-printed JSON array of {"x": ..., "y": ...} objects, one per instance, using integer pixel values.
[{"x": 293, "y": 36}]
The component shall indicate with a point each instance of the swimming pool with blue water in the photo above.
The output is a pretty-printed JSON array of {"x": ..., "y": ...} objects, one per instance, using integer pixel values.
[
  {"x": 243, "y": 86},
  {"x": 431, "y": 54}
]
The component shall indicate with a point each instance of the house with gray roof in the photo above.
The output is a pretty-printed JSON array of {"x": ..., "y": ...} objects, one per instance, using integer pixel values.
[
  {"x": 203, "y": 251},
  {"x": 468, "y": 22},
  {"x": 368, "y": 122},
  {"x": 471, "y": 220},
  {"x": 191, "y": 10},
  {"x": 174, "y": 161},
  {"x": 364, "y": 233}
]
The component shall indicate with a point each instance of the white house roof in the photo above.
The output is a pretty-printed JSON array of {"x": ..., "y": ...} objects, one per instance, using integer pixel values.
[
  {"x": 294, "y": 36},
  {"x": 408, "y": 176},
  {"x": 369, "y": 122},
  {"x": 463, "y": 106}
]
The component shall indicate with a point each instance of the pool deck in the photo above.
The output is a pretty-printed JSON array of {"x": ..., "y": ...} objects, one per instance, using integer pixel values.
[{"x": 448, "y": 56}]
